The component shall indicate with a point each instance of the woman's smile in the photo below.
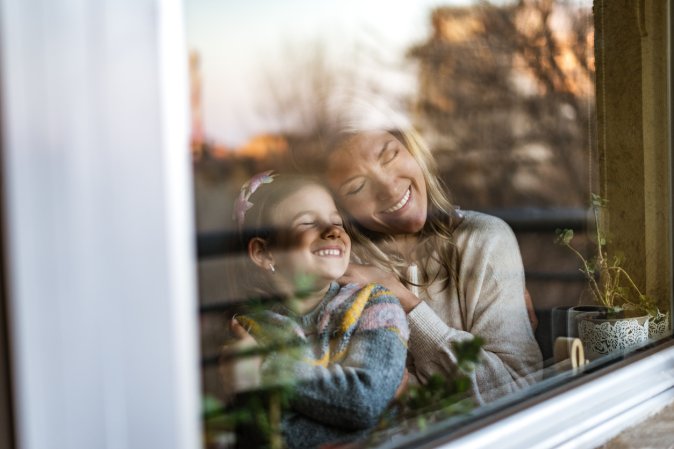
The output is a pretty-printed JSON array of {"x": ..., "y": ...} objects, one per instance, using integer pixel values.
[{"x": 400, "y": 204}]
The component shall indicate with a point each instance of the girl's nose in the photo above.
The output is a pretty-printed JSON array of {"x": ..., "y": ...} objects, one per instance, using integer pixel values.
[{"x": 332, "y": 231}]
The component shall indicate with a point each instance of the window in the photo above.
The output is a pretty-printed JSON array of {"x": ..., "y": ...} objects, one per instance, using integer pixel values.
[{"x": 529, "y": 108}]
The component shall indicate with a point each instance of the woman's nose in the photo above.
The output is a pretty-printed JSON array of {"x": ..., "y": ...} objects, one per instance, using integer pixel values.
[{"x": 385, "y": 187}]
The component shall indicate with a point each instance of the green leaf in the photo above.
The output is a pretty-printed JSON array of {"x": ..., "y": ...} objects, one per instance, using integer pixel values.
[
  {"x": 303, "y": 284},
  {"x": 564, "y": 236},
  {"x": 597, "y": 201},
  {"x": 210, "y": 405}
]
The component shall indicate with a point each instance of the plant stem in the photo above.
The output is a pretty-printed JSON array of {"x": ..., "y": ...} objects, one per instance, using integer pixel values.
[
  {"x": 594, "y": 287},
  {"x": 275, "y": 437}
]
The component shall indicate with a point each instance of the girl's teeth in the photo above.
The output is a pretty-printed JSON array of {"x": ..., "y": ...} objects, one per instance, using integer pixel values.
[
  {"x": 400, "y": 203},
  {"x": 328, "y": 252}
]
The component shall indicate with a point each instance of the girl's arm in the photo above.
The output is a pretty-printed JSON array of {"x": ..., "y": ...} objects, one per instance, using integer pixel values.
[
  {"x": 353, "y": 391},
  {"x": 491, "y": 304}
]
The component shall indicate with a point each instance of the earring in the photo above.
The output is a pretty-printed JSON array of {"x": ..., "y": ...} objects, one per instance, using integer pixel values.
[{"x": 271, "y": 268}]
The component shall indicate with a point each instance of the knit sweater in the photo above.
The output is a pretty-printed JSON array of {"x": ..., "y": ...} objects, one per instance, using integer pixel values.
[
  {"x": 347, "y": 370},
  {"x": 487, "y": 300}
]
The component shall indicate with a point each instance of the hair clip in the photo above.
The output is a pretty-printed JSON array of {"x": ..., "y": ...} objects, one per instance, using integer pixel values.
[{"x": 242, "y": 203}]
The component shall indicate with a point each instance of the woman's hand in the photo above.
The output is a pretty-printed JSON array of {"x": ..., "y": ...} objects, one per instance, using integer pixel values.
[
  {"x": 531, "y": 312},
  {"x": 402, "y": 388},
  {"x": 365, "y": 274}
]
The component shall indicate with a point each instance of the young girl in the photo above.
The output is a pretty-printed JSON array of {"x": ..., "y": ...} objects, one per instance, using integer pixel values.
[{"x": 353, "y": 337}]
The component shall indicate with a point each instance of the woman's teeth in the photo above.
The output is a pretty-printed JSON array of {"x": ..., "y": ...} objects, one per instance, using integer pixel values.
[
  {"x": 328, "y": 252},
  {"x": 400, "y": 203}
]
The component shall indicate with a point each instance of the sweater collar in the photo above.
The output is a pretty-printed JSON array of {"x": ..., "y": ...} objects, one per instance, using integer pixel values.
[{"x": 309, "y": 319}]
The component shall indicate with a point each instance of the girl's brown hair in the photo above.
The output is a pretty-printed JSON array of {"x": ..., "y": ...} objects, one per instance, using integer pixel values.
[{"x": 252, "y": 281}]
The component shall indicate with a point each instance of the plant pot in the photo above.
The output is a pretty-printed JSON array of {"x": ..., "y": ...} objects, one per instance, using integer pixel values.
[
  {"x": 574, "y": 312},
  {"x": 602, "y": 335},
  {"x": 660, "y": 327}
]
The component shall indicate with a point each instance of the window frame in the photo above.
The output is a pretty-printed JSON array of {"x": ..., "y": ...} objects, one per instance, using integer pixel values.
[{"x": 96, "y": 209}]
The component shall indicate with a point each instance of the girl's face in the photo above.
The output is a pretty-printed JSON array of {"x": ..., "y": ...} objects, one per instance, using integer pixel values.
[
  {"x": 379, "y": 183},
  {"x": 312, "y": 244}
]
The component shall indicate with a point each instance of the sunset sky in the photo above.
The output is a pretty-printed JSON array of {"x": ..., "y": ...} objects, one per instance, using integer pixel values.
[{"x": 241, "y": 42}]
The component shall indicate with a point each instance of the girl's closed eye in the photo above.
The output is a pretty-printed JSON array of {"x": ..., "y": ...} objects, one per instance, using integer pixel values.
[{"x": 307, "y": 224}]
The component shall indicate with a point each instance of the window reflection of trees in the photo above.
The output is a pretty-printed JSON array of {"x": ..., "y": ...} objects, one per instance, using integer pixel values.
[
  {"x": 504, "y": 96},
  {"x": 506, "y": 99}
]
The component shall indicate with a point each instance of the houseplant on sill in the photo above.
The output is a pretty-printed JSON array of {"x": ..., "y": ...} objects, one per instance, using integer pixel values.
[{"x": 625, "y": 316}]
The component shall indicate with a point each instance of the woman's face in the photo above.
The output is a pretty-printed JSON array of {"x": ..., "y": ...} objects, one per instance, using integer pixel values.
[{"x": 379, "y": 183}]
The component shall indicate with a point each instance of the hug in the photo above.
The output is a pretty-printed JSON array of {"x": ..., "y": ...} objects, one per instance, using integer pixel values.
[{"x": 371, "y": 271}]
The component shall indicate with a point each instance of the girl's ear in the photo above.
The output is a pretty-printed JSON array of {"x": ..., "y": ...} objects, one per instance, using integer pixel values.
[{"x": 259, "y": 253}]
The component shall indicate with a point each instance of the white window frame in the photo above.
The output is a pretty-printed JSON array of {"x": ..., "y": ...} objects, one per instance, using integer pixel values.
[{"x": 99, "y": 224}]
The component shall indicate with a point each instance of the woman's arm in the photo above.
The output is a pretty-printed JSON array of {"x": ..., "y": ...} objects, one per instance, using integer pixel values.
[
  {"x": 363, "y": 274},
  {"x": 490, "y": 300}
]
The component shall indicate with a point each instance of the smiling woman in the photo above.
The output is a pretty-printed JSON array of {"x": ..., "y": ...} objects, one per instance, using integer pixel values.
[{"x": 471, "y": 279}]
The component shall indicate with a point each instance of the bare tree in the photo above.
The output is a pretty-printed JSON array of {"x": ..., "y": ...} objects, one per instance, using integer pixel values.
[{"x": 507, "y": 99}]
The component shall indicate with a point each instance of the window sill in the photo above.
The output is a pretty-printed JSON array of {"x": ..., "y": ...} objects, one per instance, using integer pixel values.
[{"x": 585, "y": 412}]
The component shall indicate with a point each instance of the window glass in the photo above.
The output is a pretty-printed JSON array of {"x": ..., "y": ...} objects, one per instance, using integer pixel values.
[{"x": 489, "y": 170}]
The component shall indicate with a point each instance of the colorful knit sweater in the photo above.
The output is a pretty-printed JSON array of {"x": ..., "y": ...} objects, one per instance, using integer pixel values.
[{"x": 347, "y": 368}]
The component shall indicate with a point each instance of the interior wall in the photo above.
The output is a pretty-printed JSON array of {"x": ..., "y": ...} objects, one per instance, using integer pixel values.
[{"x": 631, "y": 48}]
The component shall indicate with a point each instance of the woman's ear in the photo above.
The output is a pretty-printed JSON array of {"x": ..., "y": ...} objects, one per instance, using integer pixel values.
[{"x": 259, "y": 253}]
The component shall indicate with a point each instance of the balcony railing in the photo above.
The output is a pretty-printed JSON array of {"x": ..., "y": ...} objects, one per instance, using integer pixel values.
[{"x": 523, "y": 221}]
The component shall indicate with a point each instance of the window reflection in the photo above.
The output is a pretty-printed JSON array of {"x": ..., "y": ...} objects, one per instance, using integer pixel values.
[{"x": 503, "y": 97}]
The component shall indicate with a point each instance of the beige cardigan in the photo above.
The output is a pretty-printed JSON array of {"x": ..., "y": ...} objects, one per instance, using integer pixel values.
[{"x": 488, "y": 301}]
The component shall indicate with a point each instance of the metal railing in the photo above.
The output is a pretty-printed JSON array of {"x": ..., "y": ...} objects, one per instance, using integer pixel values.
[{"x": 522, "y": 221}]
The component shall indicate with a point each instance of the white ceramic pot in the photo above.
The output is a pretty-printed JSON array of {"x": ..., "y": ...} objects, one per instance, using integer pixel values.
[
  {"x": 659, "y": 327},
  {"x": 576, "y": 311},
  {"x": 602, "y": 336}
]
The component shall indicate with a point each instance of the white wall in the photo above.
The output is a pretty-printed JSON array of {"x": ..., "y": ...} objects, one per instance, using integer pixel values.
[{"x": 99, "y": 224}]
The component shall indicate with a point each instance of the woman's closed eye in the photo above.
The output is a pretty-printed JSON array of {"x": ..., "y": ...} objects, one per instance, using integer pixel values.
[
  {"x": 389, "y": 155},
  {"x": 355, "y": 189}
]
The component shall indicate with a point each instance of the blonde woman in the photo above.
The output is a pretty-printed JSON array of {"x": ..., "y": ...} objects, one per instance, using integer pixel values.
[{"x": 456, "y": 274}]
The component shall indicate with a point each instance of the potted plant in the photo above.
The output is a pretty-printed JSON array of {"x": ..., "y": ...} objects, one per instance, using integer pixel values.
[{"x": 622, "y": 318}]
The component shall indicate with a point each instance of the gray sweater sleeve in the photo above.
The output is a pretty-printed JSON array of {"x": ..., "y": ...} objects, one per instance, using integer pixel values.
[
  {"x": 490, "y": 297},
  {"x": 352, "y": 392}
]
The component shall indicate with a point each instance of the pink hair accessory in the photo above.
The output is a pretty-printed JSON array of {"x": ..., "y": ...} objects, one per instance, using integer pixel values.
[{"x": 242, "y": 203}]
